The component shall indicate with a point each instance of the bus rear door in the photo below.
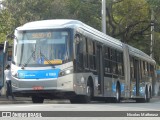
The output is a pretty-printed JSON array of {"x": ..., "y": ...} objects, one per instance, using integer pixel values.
[{"x": 100, "y": 70}]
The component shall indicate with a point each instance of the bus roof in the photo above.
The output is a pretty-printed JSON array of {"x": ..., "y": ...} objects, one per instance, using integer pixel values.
[
  {"x": 138, "y": 53},
  {"x": 75, "y": 24},
  {"x": 69, "y": 23},
  {"x": 49, "y": 24}
]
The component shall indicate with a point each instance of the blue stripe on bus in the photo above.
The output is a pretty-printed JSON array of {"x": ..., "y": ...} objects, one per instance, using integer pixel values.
[
  {"x": 114, "y": 87},
  {"x": 141, "y": 90},
  {"x": 38, "y": 74}
]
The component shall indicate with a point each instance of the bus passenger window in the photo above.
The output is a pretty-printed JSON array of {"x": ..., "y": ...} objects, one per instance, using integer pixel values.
[
  {"x": 152, "y": 70},
  {"x": 132, "y": 67},
  {"x": 107, "y": 61},
  {"x": 114, "y": 67},
  {"x": 114, "y": 55},
  {"x": 90, "y": 53},
  {"x": 119, "y": 62},
  {"x": 148, "y": 69},
  {"x": 144, "y": 70},
  {"x": 107, "y": 66},
  {"x": 86, "y": 54},
  {"x": 79, "y": 52},
  {"x": 107, "y": 53}
]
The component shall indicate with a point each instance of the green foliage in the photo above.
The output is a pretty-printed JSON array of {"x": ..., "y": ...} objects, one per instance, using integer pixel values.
[
  {"x": 156, "y": 47},
  {"x": 127, "y": 20},
  {"x": 155, "y": 6},
  {"x": 131, "y": 19},
  {"x": 87, "y": 11},
  {"x": 6, "y": 22},
  {"x": 30, "y": 10}
]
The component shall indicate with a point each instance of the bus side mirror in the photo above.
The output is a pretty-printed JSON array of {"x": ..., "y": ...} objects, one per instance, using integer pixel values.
[
  {"x": 10, "y": 36},
  {"x": 6, "y": 44}
]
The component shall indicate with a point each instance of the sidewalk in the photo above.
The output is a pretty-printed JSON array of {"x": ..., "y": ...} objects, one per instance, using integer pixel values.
[
  {"x": 4, "y": 100},
  {"x": 28, "y": 100}
]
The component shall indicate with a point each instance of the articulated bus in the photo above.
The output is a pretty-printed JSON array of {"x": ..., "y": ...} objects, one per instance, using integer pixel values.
[{"x": 67, "y": 59}]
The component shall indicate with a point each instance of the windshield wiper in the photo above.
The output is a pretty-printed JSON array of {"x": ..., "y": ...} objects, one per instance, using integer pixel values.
[
  {"x": 22, "y": 67},
  {"x": 42, "y": 55},
  {"x": 46, "y": 58}
]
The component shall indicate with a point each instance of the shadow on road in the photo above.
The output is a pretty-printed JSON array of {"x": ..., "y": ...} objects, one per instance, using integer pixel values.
[{"x": 25, "y": 100}]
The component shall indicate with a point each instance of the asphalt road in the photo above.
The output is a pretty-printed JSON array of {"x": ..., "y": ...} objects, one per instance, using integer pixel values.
[{"x": 64, "y": 107}]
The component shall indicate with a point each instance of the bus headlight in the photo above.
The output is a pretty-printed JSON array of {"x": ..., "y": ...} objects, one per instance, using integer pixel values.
[{"x": 65, "y": 72}]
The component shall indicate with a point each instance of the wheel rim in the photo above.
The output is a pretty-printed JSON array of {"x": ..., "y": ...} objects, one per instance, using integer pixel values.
[
  {"x": 88, "y": 91},
  {"x": 117, "y": 95},
  {"x": 145, "y": 97},
  {"x": 149, "y": 95}
]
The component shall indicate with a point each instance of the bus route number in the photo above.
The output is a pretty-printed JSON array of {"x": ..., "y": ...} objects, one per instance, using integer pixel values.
[{"x": 41, "y": 35}]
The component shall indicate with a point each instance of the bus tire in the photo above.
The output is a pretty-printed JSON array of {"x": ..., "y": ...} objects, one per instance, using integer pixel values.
[
  {"x": 87, "y": 98},
  {"x": 84, "y": 98},
  {"x": 118, "y": 94},
  {"x": 74, "y": 100},
  {"x": 36, "y": 99},
  {"x": 149, "y": 96},
  {"x": 77, "y": 99},
  {"x": 89, "y": 91},
  {"x": 108, "y": 100},
  {"x": 145, "y": 99}
]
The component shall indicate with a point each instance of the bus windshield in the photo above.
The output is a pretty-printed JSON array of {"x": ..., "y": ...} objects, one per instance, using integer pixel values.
[{"x": 41, "y": 47}]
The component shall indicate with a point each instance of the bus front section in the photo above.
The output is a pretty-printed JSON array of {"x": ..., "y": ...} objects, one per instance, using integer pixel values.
[{"x": 42, "y": 65}]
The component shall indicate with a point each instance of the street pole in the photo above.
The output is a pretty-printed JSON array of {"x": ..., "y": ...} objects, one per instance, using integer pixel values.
[
  {"x": 152, "y": 33},
  {"x": 104, "y": 16},
  {"x": 151, "y": 49}
]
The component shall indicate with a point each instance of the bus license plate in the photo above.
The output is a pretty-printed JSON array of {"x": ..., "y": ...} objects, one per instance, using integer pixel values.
[{"x": 38, "y": 88}]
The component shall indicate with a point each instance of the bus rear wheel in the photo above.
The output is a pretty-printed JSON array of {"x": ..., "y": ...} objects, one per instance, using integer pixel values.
[
  {"x": 89, "y": 92},
  {"x": 145, "y": 99},
  {"x": 118, "y": 95},
  {"x": 149, "y": 96},
  {"x": 36, "y": 99}
]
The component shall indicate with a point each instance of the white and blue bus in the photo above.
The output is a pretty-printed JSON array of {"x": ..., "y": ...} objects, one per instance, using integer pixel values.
[{"x": 68, "y": 59}]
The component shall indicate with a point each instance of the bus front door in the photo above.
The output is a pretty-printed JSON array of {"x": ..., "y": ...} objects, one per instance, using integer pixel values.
[{"x": 137, "y": 76}]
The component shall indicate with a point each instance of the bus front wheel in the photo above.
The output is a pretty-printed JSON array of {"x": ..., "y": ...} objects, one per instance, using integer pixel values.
[
  {"x": 84, "y": 98},
  {"x": 36, "y": 99}
]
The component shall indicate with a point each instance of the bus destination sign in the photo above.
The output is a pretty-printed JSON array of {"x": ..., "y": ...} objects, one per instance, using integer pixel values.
[{"x": 42, "y": 35}]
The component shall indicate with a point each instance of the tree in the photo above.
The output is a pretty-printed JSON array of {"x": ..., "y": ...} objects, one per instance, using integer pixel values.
[
  {"x": 30, "y": 10},
  {"x": 23, "y": 11},
  {"x": 126, "y": 20},
  {"x": 18, "y": 12},
  {"x": 6, "y": 22},
  {"x": 155, "y": 8}
]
